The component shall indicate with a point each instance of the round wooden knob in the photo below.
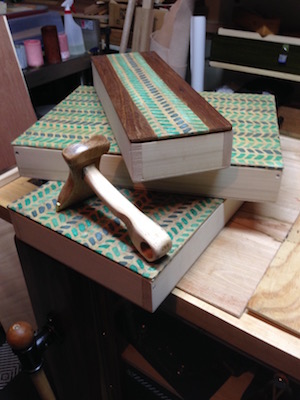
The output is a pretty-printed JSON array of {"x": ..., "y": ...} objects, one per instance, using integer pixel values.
[{"x": 20, "y": 335}]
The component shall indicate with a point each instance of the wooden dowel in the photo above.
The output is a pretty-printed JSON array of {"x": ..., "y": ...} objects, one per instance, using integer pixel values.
[
  {"x": 42, "y": 385},
  {"x": 127, "y": 26}
]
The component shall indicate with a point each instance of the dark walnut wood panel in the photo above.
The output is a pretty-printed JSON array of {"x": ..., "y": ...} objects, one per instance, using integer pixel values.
[
  {"x": 133, "y": 121},
  {"x": 211, "y": 118}
]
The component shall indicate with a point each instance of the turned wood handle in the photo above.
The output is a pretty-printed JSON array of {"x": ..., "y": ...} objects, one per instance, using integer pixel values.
[
  {"x": 148, "y": 237},
  {"x": 83, "y": 158},
  {"x": 20, "y": 335}
]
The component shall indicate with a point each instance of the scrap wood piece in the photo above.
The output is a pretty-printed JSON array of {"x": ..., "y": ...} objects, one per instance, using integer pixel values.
[
  {"x": 98, "y": 8},
  {"x": 277, "y": 296},
  {"x": 127, "y": 25},
  {"x": 225, "y": 284},
  {"x": 143, "y": 26},
  {"x": 93, "y": 9},
  {"x": 171, "y": 41}
]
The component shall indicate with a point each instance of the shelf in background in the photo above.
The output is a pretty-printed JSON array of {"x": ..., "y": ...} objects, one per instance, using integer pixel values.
[
  {"x": 242, "y": 51},
  {"x": 38, "y": 76}
]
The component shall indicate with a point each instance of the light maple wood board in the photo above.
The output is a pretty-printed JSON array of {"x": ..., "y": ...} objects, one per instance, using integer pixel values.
[
  {"x": 291, "y": 121},
  {"x": 18, "y": 114},
  {"x": 11, "y": 192},
  {"x": 228, "y": 272},
  {"x": 277, "y": 296},
  {"x": 143, "y": 27}
]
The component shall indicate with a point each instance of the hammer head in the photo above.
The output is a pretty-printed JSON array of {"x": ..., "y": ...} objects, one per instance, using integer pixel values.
[{"x": 78, "y": 156}]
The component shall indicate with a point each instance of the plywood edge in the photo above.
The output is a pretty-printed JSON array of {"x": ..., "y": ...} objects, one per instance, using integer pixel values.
[{"x": 276, "y": 298}]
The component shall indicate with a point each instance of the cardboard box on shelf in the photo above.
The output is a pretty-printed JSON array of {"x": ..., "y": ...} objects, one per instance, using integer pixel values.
[
  {"x": 116, "y": 35},
  {"x": 117, "y": 12},
  {"x": 159, "y": 15}
]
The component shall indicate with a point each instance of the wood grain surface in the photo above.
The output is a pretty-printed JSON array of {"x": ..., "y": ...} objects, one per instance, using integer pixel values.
[
  {"x": 134, "y": 124},
  {"x": 11, "y": 192},
  {"x": 133, "y": 121},
  {"x": 228, "y": 272},
  {"x": 211, "y": 118},
  {"x": 291, "y": 121},
  {"x": 16, "y": 111},
  {"x": 277, "y": 297}
]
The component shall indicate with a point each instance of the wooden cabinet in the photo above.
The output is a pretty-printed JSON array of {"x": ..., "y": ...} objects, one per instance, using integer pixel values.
[{"x": 111, "y": 349}]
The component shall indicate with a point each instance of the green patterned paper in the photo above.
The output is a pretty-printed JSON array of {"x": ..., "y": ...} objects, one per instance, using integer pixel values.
[
  {"x": 165, "y": 112},
  {"x": 75, "y": 119},
  {"x": 256, "y": 141},
  {"x": 91, "y": 224}
]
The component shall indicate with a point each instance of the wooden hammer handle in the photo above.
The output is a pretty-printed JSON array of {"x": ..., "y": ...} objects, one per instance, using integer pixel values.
[{"x": 148, "y": 237}]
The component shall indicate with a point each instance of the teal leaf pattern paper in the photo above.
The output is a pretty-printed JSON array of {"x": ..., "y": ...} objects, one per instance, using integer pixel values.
[
  {"x": 166, "y": 114},
  {"x": 73, "y": 120},
  {"x": 256, "y": 140},
  {"x": 92, "y": 225}
]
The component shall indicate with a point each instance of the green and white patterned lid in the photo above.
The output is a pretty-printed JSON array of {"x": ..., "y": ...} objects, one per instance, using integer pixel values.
[
  {"x": 92, "y": 225},
  {"x": 167, "y": 115},
  {"x": 256, "y": 140},
  {"x": 73, "y": 120}
]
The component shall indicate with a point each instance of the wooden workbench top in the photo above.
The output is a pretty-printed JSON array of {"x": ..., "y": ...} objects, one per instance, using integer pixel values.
[{"x": 12, "y": 191}]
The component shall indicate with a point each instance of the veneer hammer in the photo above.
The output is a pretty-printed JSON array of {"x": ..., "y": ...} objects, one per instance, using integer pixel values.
[{"x": 84, "y": 179}]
